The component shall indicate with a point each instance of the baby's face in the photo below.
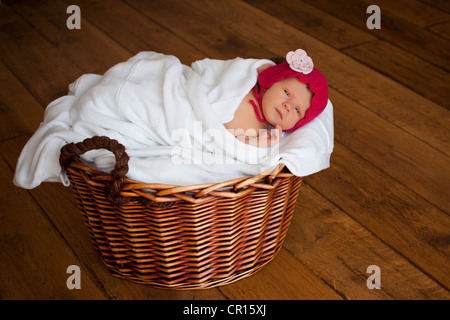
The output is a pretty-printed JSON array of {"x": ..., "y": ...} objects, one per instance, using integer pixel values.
[{"x": 286, "y": 102}]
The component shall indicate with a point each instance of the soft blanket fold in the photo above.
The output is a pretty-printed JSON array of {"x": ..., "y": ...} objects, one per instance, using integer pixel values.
[{"x": 170, "y": 119}]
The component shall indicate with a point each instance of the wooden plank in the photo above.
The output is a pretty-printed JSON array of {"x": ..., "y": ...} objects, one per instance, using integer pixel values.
[
  {"x": 340, "y": 250},
  {"x": 218, "y": 41},
  {"x": 403, "y": 34},
  {"x": 407, "y": 223},
  {"x": 443, "y": 5},
  {"x": 407, "y": 159},
  {"x": 442, "y": 30},
  {"x": 27, "y": 54},
  {"x": 284, "y": 278},
  {"x": 318, "y": 24},
  {"x": 87, "y": 48},
  {"x": 20, "y": 112},
  {"x": 376, "y": 92},
  {"x": 132, "y": 30},
  {"x": 413, "y": 11},
  {"x": 405, "y": 68},
  {"x": 34, "y": 258}
]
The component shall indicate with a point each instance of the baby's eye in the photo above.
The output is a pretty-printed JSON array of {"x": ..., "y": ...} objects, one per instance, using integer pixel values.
[
  {"x": 297, "y": 109},
  {"x": 287, "y": 93}
]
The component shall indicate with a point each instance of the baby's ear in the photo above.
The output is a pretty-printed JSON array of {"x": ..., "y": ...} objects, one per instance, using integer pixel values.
[{"x": 263, "y": 67}]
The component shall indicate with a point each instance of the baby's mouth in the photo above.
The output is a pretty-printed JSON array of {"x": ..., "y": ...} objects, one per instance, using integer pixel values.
[{"x": 279, "y": 113}]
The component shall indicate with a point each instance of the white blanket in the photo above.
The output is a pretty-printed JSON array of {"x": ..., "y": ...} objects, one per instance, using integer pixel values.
[{"x": 170, "y": 119}]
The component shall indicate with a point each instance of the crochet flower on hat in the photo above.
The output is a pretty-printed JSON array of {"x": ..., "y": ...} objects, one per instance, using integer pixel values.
[{"x": 299, "y": 61}]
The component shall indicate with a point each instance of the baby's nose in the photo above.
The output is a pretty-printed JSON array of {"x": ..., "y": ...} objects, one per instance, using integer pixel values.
[{"x": 287, "y": 106}]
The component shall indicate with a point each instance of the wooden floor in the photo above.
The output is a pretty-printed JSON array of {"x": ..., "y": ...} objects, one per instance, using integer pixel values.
[{"x": 384, "y": 201}]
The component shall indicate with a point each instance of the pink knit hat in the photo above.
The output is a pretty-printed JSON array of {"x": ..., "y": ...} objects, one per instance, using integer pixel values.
[{"x": 301, "y": 66}]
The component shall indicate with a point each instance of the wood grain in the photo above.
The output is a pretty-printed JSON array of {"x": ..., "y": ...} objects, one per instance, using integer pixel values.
[
  {"x": 18, "y": 116},
  {"x": 34, "y": 257},
  {"x": 383, "y": 201},
  {"x": 406, "y": 69}
]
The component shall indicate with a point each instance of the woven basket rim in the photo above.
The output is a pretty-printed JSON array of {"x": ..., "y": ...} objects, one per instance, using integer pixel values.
[
  {"x": 100, "y": 175},
  {"x": 121, "y": 185},
  {"x": 198, "y": 192}
]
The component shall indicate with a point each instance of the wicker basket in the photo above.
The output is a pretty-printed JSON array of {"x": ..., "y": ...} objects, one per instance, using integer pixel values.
[{"x": 191, "y": 237}]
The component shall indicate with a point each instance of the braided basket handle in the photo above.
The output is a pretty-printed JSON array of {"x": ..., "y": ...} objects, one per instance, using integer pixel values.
[{"x": 120, "y": 169}]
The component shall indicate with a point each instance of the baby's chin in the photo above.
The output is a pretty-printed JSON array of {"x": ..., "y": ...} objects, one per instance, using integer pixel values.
[{"x": 286, "y": 129}]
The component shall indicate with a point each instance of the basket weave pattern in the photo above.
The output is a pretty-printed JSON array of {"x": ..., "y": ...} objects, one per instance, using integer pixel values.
[{"x": 191, "y": 237}]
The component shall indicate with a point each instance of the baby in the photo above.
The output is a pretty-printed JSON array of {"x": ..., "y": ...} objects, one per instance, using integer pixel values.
[{"x": 287, "y": 95}]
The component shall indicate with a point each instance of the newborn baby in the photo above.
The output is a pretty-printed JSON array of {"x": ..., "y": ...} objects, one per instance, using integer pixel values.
[{"x": 287, "y": 95}]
